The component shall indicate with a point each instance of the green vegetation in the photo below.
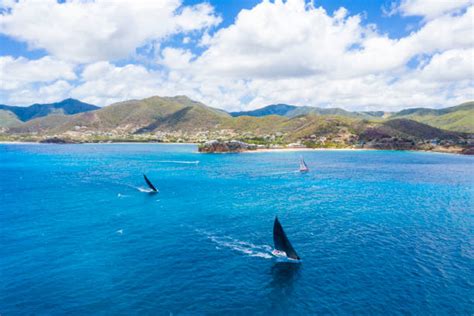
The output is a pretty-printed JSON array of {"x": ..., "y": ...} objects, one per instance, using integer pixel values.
[
  {"x": 330, "y": 144},
  {"x": 180, "y": 119},
  {"x": 458, "y": 118},
  {"x": 8, "y": 119}
]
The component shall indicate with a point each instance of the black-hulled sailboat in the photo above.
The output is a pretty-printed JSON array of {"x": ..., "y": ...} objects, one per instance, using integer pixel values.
[
  {"x": 283, "y": 246},
  {"x": 150, "y": 185},
  {"x": 303, "y": 166}
]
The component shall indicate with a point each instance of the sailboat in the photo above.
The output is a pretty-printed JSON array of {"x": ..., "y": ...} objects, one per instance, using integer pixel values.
[
  {"x": 283, "y": 246},
  {"x": 150, "y": 185},
  {"x": 303, "y": 166}
]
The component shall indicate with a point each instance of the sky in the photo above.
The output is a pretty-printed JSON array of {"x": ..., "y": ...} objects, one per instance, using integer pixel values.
[{"x": 239, "y": 54}]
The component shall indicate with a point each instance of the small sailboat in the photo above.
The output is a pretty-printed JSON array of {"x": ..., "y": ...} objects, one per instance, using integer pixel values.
[
  {"x": 303, "y": 166},
  {"x": 150, "y": 185},
  {"x": 283, "y": 246}
]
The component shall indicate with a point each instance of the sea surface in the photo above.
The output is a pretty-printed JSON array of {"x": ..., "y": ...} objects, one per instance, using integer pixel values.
[{"x": 379, "y": 232}]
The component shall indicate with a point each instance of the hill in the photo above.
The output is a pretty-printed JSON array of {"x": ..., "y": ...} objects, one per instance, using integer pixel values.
[
  {"x": 132, "y": 117},
  {"x": 65, "y": 107},
  {"x": 408, "y": 129},
  {"x": 458, "y": 118},
  {"x": 274, "y": 109},
  {"x": 293, "y": 111},
  {"x": 8, "y": 119},
  {"x": 174, "y": 119}
]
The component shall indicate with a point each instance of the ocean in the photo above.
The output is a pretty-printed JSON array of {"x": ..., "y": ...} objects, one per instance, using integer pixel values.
[{"x": 379, "y": 232}]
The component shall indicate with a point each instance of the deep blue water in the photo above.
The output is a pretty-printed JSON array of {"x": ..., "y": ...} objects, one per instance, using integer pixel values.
[{"x": 379, "y": 232}]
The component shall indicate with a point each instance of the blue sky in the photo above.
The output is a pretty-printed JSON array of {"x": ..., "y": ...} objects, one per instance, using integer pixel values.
[{"x": 236, "y": 55}]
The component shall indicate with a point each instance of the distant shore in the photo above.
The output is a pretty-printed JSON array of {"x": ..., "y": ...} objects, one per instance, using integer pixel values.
[
  {"x": 258, "y": 150},
  {"x": 93, "y": 143},
  {"x": 264, "y": 150}
]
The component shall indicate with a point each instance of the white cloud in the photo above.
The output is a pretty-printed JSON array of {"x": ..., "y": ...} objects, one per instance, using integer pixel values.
[
  {"x": 176, "y": 58},
  {"x": 88, "y": 31},
  {"x": 102, "y": 83},
  {"x": 15, "y": 73},
  {"x": 294, "y": 53},
  {"x": 290, "y": 39},
  {"x": 281, "y": 39},
  {"x": 452, "y": 65},
  {"x": 291, "y": 52},
  {"x": 44, "y": 93},
  {"x": 428, "y": 8}
]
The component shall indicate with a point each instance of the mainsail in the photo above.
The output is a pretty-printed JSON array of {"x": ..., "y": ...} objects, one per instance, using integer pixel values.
[
  {"x": 150, "y": 184},
  {"x": 281, "y": 241},
  {"x": 303, "y": 166}
]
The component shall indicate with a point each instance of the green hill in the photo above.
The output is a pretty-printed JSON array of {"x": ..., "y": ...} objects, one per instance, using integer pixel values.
[
  {"x": 293, "y": 111},
  {"x": 135, "y": 116},
  {"x": 182, "y": 119},
  {"x": 8, "y": 119},
  {"x": 408, "y": 129},
  {"x": 457, "y": 118}
]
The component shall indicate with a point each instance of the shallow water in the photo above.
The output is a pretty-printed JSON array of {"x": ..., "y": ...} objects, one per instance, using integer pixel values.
[{"x": 378, "y": 231}]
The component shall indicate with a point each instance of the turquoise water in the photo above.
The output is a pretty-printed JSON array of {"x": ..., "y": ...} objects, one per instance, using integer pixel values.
[{"x": 379, "y": 232}]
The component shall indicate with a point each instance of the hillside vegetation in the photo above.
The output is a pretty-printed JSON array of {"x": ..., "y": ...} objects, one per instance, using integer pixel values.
[
  {"x": 457, "y": 118},
  {"x": 8, "y": 119},
  {"x": 182, "y": 119}
]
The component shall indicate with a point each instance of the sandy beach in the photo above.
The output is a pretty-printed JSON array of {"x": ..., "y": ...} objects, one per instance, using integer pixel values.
[{"x": 264, "y": 150}]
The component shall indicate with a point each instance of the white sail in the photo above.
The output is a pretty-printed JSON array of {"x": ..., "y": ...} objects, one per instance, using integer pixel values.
[{"x": 303, "y": 166}]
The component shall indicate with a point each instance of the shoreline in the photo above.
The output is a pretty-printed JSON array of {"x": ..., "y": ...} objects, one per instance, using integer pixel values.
[
  {"x": 264, "y": 150},
  {"x": 97, "y": 143},
  {"x": 256, "y": 151}
]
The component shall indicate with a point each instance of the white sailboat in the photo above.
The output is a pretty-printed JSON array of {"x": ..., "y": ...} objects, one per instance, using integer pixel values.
[{"x": 303, "y": 166}]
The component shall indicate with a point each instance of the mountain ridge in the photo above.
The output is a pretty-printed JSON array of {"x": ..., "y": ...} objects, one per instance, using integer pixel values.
[
  {"x": 445, "y": 118},
  {"x": 65, "y": 107}
]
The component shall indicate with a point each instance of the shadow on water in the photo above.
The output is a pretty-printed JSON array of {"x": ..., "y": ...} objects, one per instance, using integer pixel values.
[{"x": 284, "y": 277}]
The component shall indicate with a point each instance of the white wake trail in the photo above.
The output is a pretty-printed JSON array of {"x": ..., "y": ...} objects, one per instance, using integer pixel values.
[{"x": 247, "y": 248}]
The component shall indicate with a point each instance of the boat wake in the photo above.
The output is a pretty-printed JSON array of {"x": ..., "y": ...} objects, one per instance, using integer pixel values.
[
  {"x": 281, "y": 256},
  {"x": 247, "y": 248},
  {"x": 283, "y": 172},
  {"x": 193, "y": 162},
  {"x": 145, "y": 190}
]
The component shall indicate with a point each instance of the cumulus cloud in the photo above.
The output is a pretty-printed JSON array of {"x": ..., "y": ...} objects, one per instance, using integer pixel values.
[
  {"x": 40, "y": 93},
  {"x": 451, "y": 65},
  {"x": 17, "y": 72},
  {"x": 176, "y": 58},
  {"x": 24, "y": 81},
  {"x": 428, "y": 9},
  {"x": 102, "y": 83},
  {"x": 88, "y": 31},
  {"x": 293, "y": 52},
  {"x": 290, "y": 39}
]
